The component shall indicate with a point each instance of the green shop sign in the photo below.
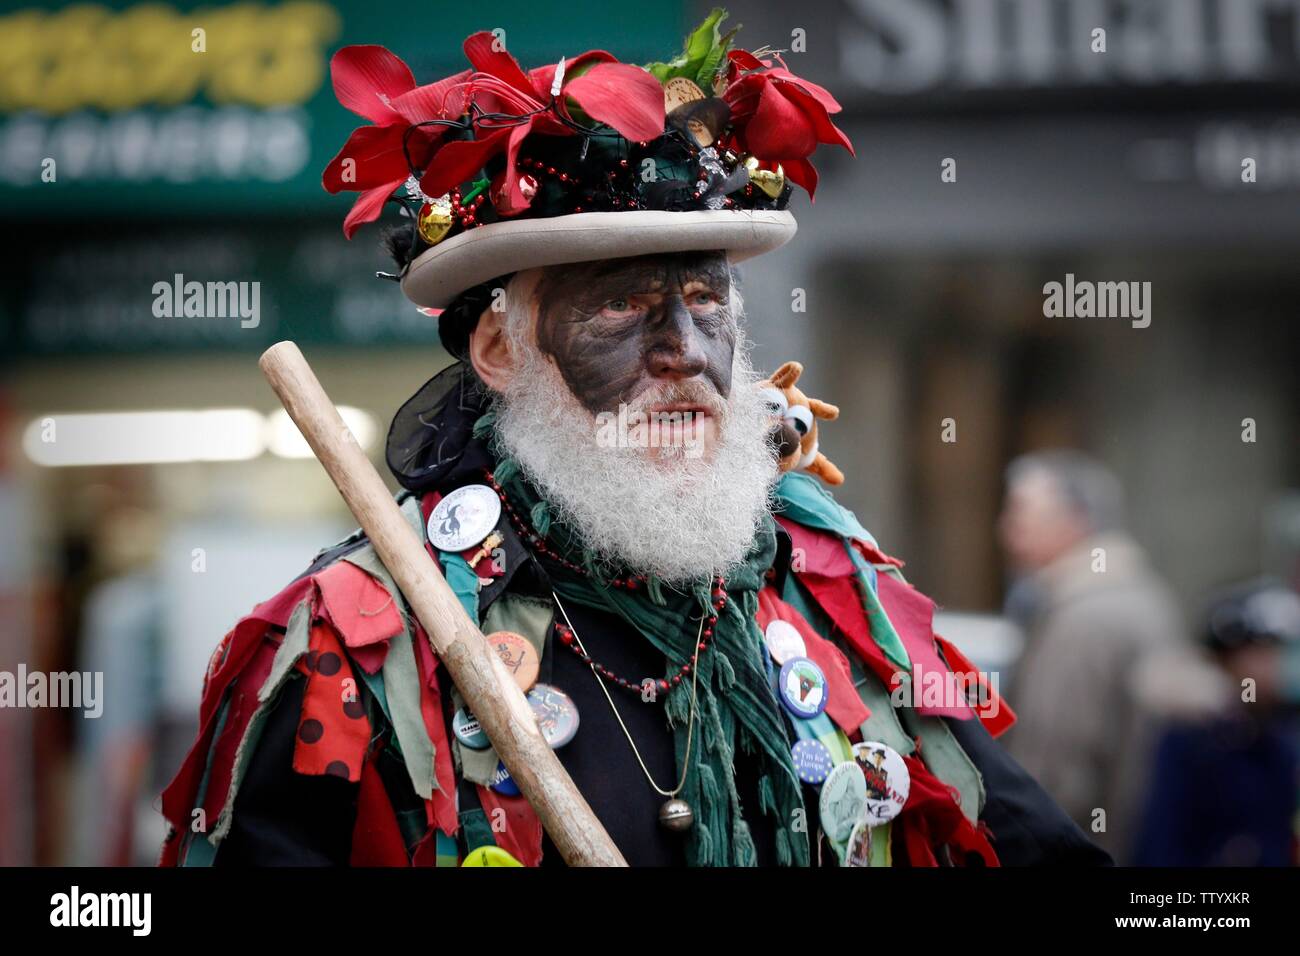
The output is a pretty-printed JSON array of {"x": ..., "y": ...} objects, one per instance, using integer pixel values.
[{"x": 221, "y": 109}]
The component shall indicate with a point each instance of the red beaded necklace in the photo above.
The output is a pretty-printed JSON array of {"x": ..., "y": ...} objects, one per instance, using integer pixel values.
[{"x": 537, "y": 542}]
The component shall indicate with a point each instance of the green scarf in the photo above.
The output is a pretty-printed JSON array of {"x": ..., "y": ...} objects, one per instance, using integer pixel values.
[{"x": 735, "y": 704}]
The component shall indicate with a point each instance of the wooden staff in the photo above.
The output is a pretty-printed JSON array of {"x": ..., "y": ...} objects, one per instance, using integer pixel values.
[{"x": 489, "y": 690}]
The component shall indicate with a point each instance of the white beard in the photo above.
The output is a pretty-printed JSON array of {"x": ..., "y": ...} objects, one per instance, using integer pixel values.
[{"x": 665, "y": 512}]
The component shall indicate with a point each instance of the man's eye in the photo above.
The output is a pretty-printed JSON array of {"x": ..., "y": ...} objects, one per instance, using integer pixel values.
[
  {"x": 703, "y": 298},
  {"x": 618, "y": 305}
]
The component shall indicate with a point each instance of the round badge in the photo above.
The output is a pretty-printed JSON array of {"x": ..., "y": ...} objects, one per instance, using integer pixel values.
[
  {"x": 679, "y": 91},
  {"x": 803, "y": 687},
  {"x": 844, "y": 795},
  {"x": 467, "y": 730},
  {"x": 519, "y": 656},
  {"x": 557, "y": 714},
  {"x": 812, "y": 761},
  {"x": 503, "y": 783},
  {"x": 784, "y": 641},
  {"x": 464, "y": 518},
  {"x": 489, "y": 856},
  {"x": 888, "y": 782},
  {"x": 858, "y": 852}
]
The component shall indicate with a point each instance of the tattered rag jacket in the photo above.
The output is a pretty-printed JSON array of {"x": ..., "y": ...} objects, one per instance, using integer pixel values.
[{"x": 325, "y": 723}]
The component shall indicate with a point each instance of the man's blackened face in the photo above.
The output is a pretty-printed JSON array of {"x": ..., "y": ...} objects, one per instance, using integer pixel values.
[{"x": 619, "y": 326}]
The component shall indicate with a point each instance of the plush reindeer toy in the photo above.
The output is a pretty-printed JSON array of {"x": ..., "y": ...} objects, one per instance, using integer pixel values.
[{"x": 794, "y": 424}]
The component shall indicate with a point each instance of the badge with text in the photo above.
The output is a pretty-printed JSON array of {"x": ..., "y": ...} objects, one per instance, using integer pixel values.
[
  {"x": 887, "y": 778},
  {"x": 503, "y": 783},
  {"x": 464, "y": 518},
  {"x": 843, "y": 797},
  {"x": 519, "y": 656},
  {"x": 803, "y": 687},
  {"x": 557, "y": 714},
  {"x": 812, "y": 761},
  {"x": 467, "y": 730},
  {"x": 783, "y": 641}
]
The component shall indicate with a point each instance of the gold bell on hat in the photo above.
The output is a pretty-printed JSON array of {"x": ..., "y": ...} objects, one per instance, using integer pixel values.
[
  {"x": 771, "y": 181},
  {"x": 435, "y": 221}
]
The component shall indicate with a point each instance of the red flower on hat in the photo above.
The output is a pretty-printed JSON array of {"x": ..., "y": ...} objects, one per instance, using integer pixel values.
[
  {"x": 374, "y": 83},
  {"x": 779, "y": 117},
  {"x": 620, "y": 95},
  {"x": 377, "y": 85}
]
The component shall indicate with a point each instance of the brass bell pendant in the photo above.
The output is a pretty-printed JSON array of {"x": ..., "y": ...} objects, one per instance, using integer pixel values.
[{"x": 677, "y": 816}]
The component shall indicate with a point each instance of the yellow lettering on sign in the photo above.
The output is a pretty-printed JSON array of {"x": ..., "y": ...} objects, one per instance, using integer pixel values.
[{"x": 90, "y": 57}]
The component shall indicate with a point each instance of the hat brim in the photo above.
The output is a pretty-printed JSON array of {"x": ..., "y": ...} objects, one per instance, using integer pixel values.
[{"x": 478, "y": 255}]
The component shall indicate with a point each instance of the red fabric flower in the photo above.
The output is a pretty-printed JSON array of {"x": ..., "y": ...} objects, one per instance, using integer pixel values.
[
  {"x": 372, "y": 82},
  {"x": 779, "y": 117},
  {"x": 623, "y": 96},
  {"x": 375, "y": 84}
]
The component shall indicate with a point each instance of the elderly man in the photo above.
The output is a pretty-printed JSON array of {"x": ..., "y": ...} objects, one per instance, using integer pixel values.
[
  {"x": 1096, "y": 615},
  {"x": 710, "y": 646}
]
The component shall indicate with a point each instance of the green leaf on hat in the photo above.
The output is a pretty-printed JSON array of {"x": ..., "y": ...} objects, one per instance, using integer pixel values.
[{"x": 704, "y": 46}]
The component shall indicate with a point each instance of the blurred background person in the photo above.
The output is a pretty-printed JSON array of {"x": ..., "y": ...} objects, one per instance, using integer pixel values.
[
  {"x": 1093, "y": 609},
  {"x": 1225, "y": 782}
]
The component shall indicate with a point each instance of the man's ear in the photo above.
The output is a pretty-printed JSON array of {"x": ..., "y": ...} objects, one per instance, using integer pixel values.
[{"x": 489, "y": 350}]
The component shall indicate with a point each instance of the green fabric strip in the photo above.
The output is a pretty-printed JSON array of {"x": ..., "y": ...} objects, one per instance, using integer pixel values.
[
  {"x": 247, "y": 746},
  {"x": 527, "y": 616},
  {"x": 463, "y": 581},
  {"x": 401, "y": 678},
  {"x": 478, "y": 832},
  {"x": 199, "y": 852},
  {"x": 297, "y": 636},
  {"x": 476, "y": 766},
  {"x": 882, "y": 630},
  {"x": 190, "y": 837},
  {"x": 446, "y": 849},
  {"x": 801, "y": 498},
  {"x": 883, "y": 724}
]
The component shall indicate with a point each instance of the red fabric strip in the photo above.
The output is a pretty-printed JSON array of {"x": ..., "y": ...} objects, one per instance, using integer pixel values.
[
  {"x": 997, "y": 715},
  {"x": 441, "y": 809},
  {"x": 843, "y": 705},
  {"x": 522, "y": 833},
  {"x": 932, "y": 819},
  {"x": 334, "y": 732},
  {"x": 912, "y": 614},
  {"x": 376, "y": 839}
]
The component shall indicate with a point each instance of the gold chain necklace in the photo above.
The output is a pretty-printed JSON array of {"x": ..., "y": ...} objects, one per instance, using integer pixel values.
[{"x": 675, "y": 814}]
